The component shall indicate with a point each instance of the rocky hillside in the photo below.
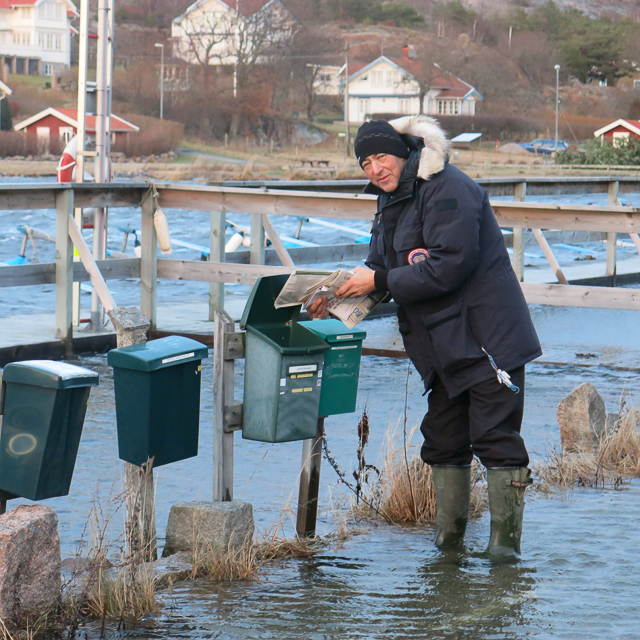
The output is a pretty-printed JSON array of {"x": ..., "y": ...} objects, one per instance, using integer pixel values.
[{"x": 614, "y": 9}]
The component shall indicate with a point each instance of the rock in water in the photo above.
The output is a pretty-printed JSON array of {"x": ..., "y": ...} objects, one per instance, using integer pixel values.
[
  {"x": 29, "y": 563},
  {"x": 582, "y": 417},
  {"x": 209, "y": 526}
]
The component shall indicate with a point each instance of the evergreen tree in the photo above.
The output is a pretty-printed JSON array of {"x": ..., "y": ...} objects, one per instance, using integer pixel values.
[{"x": 6, "y": 121}]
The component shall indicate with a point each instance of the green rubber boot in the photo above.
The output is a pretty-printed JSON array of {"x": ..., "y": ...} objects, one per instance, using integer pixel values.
[
  {"x": 506, "y": 502},
  {"x": 453, "y": 491}
]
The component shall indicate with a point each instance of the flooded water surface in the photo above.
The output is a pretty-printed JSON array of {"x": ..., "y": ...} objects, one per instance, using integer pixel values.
[{"x": 579, "y": 577}]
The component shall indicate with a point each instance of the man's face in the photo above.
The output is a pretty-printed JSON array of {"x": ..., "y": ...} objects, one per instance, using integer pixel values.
[{"x": 383, "y": 170}]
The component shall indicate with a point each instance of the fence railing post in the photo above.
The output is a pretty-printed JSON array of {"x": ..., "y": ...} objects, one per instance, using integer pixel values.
[
  {"x": 148, "y": 260},
  {"x": 223, "y": 402},
  {"x": 64, "y": 270},
  {"x": 612, "y": 237},
  {"x": 256, "y": 255},
  {"x": 216, "y": 244},
  {"x": 519, "y": 195}
]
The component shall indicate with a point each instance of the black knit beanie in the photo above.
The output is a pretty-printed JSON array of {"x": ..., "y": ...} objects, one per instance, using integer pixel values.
[{"x": 378, "y": 136}]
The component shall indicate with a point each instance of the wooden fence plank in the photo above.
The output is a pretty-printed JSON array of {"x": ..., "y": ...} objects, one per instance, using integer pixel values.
[
  {"x": 270, "y": 201},
  {"x": 45, "y": 272},
  {"x": 215, "y": 271},
  {"x": 567, "y": 217},
  {"x": 99, "y": 285},
  {"x": 280, "y": 249},
  {"x": 579, "y": 296},
  {"x": 548, "y": 254}
]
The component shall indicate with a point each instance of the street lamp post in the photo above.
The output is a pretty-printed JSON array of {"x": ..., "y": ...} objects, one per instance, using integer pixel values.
[
  {"x": 161, "y": 47},
  {"x": 557, "y": 68}
]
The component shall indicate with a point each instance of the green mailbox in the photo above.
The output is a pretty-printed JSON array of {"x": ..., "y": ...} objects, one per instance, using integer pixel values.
[
  {"x": 283, "y": 369},
  {"x": 157, "y": 388},
  {"x": 341, "y": 365},
  {"x": 43, "y": 405}
]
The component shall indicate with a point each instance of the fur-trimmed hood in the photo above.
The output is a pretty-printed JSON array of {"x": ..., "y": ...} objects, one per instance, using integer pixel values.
[{"x": 435, "y": 153}]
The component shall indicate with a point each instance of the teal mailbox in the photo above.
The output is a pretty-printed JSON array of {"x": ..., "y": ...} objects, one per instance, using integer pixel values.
[
  {"x": 341, "y": 365},
  {"x": 43, "y": 405},
  {"x": 283, "y": 369},
  {"x": 157, "y": 389}
]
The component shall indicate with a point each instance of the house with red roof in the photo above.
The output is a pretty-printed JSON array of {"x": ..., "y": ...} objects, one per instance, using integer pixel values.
[
  {"x": 401, "y": 86},
  {"x": 63, "y": 123},
  {"x": 220, "y": 32},
  {"x": 35, "y": 35},
  {"x": 619, "y": 130}
]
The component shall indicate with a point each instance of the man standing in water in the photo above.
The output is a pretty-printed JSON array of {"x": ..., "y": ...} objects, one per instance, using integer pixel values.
[{"x": 437, "y": 249}]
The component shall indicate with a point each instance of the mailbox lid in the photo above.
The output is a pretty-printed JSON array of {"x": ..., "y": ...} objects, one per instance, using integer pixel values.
[
  {"x": 260, "y": 305},
  {"x": 334, "y": 331},
  {"x": 49, "y": 373},
  {"x": 157, "y": 354}
]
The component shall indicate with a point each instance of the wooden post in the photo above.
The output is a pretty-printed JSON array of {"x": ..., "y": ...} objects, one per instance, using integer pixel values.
[
  {"x": 256, "y": 255},
  {"x": 310, "y": 484},
  {"x": 519, "y": 195},
  {"x": 64, "y": 270},
  {"x": 149, "y": 261},
  {"x": 131, "y": 328},
  {"x": 216, "y": 242},
  {"x": 612, "y": 201},
  {"x": 223, "y": 401}
]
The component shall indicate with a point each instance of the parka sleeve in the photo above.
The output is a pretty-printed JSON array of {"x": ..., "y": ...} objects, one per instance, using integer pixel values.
[{"x": 451, "y": 233}]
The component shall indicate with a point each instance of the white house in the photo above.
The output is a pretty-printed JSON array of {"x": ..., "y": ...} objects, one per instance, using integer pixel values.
[
  {"x": 35, "y": 35},
  {"x": 223, "y": 32},
  {"x": 391, "y": 86}
]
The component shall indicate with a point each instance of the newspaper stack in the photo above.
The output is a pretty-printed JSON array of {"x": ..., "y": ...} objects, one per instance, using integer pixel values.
[{"x": 305, "y": 287}]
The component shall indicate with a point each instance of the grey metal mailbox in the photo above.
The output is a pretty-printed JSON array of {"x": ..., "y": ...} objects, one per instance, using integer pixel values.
[
  {"x": 283, "y": 369},
  {"x": 44, "y": 405},
  {"x": 157, "y": 388}
]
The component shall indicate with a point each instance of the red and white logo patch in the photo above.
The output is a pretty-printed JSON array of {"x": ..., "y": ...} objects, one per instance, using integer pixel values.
[{"x": 418, "y": 255}]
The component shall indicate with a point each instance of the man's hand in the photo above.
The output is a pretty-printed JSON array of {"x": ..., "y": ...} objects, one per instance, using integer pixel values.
[
  {"x": 359, "y": 284},
  {"x": 318, "y": 309}
]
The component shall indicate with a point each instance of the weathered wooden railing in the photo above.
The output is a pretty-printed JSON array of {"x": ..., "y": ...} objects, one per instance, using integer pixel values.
[{"x": 259, "y": 203}]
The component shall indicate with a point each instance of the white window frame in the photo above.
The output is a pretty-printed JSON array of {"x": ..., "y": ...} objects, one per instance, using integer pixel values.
[
  {"x": 619, "y": 136},
  {"x": 364, "y": 107},
  {"x": 66, "y": 133},
  {"x": 377, "y": 79}
]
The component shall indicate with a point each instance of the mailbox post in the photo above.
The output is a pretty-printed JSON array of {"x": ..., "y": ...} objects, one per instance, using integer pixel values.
[{"x": 43, "y": 405}]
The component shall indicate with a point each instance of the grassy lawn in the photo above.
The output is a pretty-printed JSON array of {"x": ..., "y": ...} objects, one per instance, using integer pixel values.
[
  {"x": 215, "y": 150},
  {"x": 30, "y": 81}
]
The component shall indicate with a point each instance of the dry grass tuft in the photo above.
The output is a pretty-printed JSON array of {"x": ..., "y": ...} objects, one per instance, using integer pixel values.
[
  {"x": 122, "y": 591},
  {"x": 275, "y": 548},
  {"x": 616, "y": 457},
  {"x": 232, "y": 563},
  {"x": 30, "y": 631},
  {"x": 101, "y": 587}
]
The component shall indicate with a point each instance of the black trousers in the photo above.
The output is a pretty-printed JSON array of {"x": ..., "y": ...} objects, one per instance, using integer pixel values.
[{"x": 484, "y": 421}]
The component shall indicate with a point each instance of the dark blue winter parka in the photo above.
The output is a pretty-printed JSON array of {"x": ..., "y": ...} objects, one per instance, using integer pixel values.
[{"x": 448, "y": 268}]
